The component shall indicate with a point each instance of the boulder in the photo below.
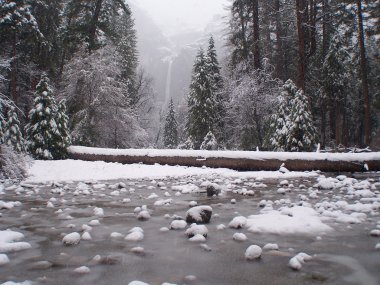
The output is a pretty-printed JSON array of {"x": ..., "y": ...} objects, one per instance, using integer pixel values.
[{"x": 199, "y": 215}]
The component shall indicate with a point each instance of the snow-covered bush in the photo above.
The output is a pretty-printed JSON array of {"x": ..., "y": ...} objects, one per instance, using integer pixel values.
[
  {"x": 188, "y": 144},
  {"x": 209, "y": 142},
  {"x": 12, "y": 133},
  {"x": 13, "y": 165}
]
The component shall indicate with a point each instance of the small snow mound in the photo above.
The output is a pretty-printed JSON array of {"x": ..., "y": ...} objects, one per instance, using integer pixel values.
[
  {"x": 71, "y": 239},
  {"x": 178, "y": 225},
  {"x": 253, "y": 252},
  {"x": 3, "y": 259},
  {"x": 137, "y": 283},
  {"x": 86, "y": 236},
  {"x": 98, "y": 212},
  {"x": 143, "y": 216},
  {"x": 296, "y": 262},
  {"x": 8, "y": 241},
  {"x": 271, "y": 246},
  {"x": 82, "y": 270},
  {"x": 375, "y": 233},
  {"x": 238, "y": 222},
  {"x": 239, "y": 237},
  {"x": 197, "y": 230},
  {"x": 198, "y": 238},
  {"x": 136, "y": 234},
  {"x": 116, "y": 235}
]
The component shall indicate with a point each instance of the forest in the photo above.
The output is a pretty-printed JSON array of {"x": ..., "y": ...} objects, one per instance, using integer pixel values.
[{"x": 298, "y": 73}]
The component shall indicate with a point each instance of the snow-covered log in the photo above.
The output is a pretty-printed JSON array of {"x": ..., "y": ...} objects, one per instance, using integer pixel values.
[{"x": 239, "y": 160}]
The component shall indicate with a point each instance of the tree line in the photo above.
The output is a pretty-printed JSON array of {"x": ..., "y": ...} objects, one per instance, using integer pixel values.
[{"x": 298, "y": 73}]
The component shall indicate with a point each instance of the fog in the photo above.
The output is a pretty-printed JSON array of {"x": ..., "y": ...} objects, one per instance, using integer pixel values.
[{"x": 176, "y": 16}]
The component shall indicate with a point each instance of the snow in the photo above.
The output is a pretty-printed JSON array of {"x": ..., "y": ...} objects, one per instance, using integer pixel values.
[
  {"x": 197, "y": 213},
  {"x": 82, "y": 270},
  {"x": 253, "y": 252},
  {"x": 239, "y": 237},
  {"x": 71, "y": 239},
  {"x": 238, "y": 222},
  {"x": 137, "y": 283},
  {"x": 136, "y": 234},
  {"x": 261, "y": 155},
  {"x": 3, "y": 259},
  {"x": 295, "y": 220},
  {"x": 43, "y": 171},
  {"x": 8, "y": 241},
  {"x": 17, "y": 283},
  {"x": 178, "y": 225},
  {"x": 198, "y": 238},
  {"x": 197, "y": 230}
]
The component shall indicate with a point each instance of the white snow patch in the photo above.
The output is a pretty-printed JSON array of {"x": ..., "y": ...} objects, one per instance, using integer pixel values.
[
  {"x": 253, "y": 252},
  {"x": 8, "y": 241},
  {"x": 71, "y": 239},
  {"x": 296, "y": 220}
]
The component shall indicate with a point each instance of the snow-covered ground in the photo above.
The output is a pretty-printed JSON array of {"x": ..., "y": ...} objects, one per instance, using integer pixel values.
[{"x": 75, "y": 222}]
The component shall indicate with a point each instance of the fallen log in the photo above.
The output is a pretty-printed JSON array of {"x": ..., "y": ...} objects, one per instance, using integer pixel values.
[{"x": 238, "y": 160}]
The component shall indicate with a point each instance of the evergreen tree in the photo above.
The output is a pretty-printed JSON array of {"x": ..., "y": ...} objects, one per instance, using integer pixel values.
[
  {"x": 64, "y": 141},
  {"x": 170, "y": 131},
  {"x": 201, "y": 102},
  {"x": 209, "y": 142},
  {"x": 217, "y": 90},
  {"x": 293, "y": 123},
  {"x": 42, "y": 132},
  {"x": 12, "y": 133},
  {"x": 188, "y": 144},
  {"x": 336, "y": 86}
]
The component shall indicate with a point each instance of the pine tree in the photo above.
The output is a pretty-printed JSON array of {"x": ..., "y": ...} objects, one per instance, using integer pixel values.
[
  {"x": 42, "y": 131},
  {"x": 293, "y": 124},
  {"x": 336, "y": 85},
  {"x": 209, "y": 142},
  {"x": 170, "y": 131},
  {"x": 64, "y": 140},
  {"x": 201, "y": 102},
  {"x": 217, "y": 90},
  {"x": 12, "y": 134},
  {"x": 188, "y": 144}
]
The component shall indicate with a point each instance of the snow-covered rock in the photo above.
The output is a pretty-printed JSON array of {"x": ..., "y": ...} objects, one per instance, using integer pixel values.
[
  {"x": 143, "y": 216},
  {"x": 271, "y": 246},
  {"x": 116, "y": 235},
  {"x": 199, "y": 214},
  {"x": 82, "y": 270},
  {"x": 375, "y": 233},
  {"x": 137, "y": 283},
  {"x": 136, "y": 234},
  {"x": 3, "y": 259},
  {"x": 238, "y": 222},
  {"x": 296, "y": 262},
  {"x": 196, "y": 230},
  {"x": 178, "y": 225},
  {"x": 86, "y": 236},
  {"x": 71, "y": 239},
  {"x": 197, "y": 238},
  {"x": 239, "y": 237},
  {"x": 253, "y": 252},
  {"x": 98, "y": 212}
]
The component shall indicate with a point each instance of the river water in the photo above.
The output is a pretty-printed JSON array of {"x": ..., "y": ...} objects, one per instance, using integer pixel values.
[{"x": 345, "y": 255}]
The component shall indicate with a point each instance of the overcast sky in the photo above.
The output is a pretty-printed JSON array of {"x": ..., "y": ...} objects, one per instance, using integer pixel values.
[{"x": 175, "y": 15}]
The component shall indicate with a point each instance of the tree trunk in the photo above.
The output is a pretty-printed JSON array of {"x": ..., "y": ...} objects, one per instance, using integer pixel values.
[
  {"x": 256, "y": 35},
  {"x": 301, "y": 11},
  {"x": 93, "y": 25},
  {"x": 364, "y": 78},
  {"x": 13, "y": 81},
  {"x": 325, "y": 28},
  {"x": 279, "y": 60},
  {"x": 312, "y": 27}
]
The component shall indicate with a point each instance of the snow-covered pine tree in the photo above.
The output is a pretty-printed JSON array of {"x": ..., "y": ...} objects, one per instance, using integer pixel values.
[
  {"x": 293, "y": 124},
  {"x": 42, "y": 131},
  {"x": 202, "y": 105},
  {"x": 64, "y": 141},
  {"x": 217, "y": 90},
  {"x": 12, "y": 133},
  {"x": 170, "y": 129},
  {"x": 336, "y": 84},
  {"x": 302, "y": 132},
  {"x": 209, "y": 142},
  {"x": 188, "y": 144}
]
